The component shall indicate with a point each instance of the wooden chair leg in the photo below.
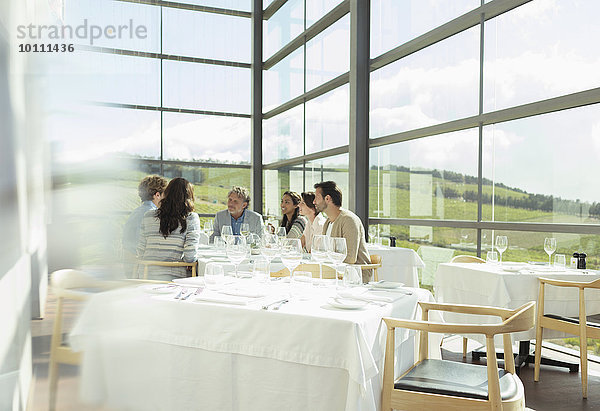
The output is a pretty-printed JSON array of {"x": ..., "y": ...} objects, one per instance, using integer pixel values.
[
  {"x": 538, "y": 352},
  {"x": 583, "y": 359},
  {"x": 465, "y": 340}
]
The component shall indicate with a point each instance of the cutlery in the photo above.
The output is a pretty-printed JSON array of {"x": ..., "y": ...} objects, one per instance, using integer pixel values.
[
  {"x": 198, "y": 291},
  {"x": 278, "y": 306},
  {"x": 266, "y": 307},
  {"x": 183, "y": 290},
  {"x": 164, "y": 286}
]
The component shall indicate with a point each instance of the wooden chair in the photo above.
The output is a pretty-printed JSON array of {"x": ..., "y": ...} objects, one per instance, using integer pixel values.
[
  {"x": 147, "y": 263},
  {"x": 313, "y": 268},
  {"x": 442, "y": 384},
  {"x": 580, "y": 326},
  {"x": 467, "y": 259},
  {"x": 375, "y": 264}
]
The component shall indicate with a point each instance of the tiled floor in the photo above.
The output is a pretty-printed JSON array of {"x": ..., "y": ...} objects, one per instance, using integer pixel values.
[{"x": 557, "y": 389}]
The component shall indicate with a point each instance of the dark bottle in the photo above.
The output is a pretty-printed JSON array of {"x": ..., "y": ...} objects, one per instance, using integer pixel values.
[
  {"x": 581, "y": 261},
  {"x": 575, "y": 260},
  {"x": 392, "y": 241}
]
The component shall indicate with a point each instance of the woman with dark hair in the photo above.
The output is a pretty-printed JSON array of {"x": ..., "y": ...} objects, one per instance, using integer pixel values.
[
  {"x": 293, "y": 222},
  {"x": 172, "y": 232},
  {"x": 316, "y": 220}
]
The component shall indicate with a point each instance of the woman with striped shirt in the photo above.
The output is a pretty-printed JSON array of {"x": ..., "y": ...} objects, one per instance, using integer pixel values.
[
  {"x": 293, "y": 222},
  {"x": 172, "y": 232}
]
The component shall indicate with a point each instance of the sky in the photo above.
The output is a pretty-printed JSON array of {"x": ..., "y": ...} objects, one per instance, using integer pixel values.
[{"x": 543, "y": 49}]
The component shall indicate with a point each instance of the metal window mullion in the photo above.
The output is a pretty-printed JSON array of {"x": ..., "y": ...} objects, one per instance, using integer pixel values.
[
  {"x": 191, "y": 7},
  {"x": 257, "y": 117},
  {"x": 480, "y": 137}
]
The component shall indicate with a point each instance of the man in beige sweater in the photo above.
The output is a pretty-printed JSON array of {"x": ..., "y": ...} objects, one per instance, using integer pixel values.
[{"x": 343, "y": 223}]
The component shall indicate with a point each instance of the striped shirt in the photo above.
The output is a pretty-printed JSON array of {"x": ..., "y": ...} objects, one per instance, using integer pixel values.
[{"x": 152, "y": 245}]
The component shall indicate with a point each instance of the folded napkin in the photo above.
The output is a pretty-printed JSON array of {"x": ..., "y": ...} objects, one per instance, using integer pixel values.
[
  {"x": 250, "y": 293},
  {"x": 365, "y": 296},
  {"x": 222, "y": 299}
]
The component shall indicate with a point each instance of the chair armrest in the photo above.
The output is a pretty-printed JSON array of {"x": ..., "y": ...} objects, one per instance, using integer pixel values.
[
  {"x": 468, "y": 309},
  {"x": 445, "y": 328},
  {"x": 565, "y": 283}
]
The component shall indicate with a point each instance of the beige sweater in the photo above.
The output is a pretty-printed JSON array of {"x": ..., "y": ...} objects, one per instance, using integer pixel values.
[{"x": 349, "y": 226}]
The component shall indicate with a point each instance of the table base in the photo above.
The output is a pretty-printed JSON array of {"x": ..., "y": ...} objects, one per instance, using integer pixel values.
[{"x": 523, "y": 357}]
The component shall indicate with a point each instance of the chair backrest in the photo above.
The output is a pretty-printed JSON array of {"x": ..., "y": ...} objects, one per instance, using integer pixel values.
[
  {"x": 376, "y": 259},
  {"x": 313, "y": 268},
  {"x": 467, "y": 259}
]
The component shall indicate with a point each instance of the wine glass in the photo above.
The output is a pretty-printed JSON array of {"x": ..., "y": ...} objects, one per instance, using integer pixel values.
[
  {"x": 214, "y": 275},
  {"x": 501, "y": 245},
  {"x": 226, "y": 232},
  {"x": 253, "y": 242},
  {"x": 550, "y": 248},
  {"x": 319, "y": 252},
  {"x": 281, "y": 233},
  {"x": 236, "y": 250},
  {"x": 269, "y": 247},
  {"x": 337, "y": 251},
  {"x": 372, "y": 233},
  {"x": 291, "y": 253},
  {"x": 208, "y": 228},
  {"x": 245, "y": 229}
]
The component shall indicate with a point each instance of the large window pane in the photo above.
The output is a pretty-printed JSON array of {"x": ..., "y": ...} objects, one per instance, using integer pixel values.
[
  {"x": 283, "y": 135},
  {"x": 211, "y": 184},
  {"x": 425, "y": 178},
  {"x": 89, "y": 132},
  {"x": 328, "y": 169},
  {"x": 543, "y": 168},
  {"x": 116, "y": 78},
  {"x": 284, "y": 81},
  {"x": 186, "y": 34},
  {"x": 327, "y": 120},
  {"x": 540, "y": 50},
  {"x": 395, "y": 22},
  {"x": 328, "y": 54},
  {"x": 130, "y": 26},
  {"x": 315, "y": 9},
  {"x": 192, "y": 137},
  {"x": 206, "y": 87},
  {"x": 434, "y": 85},
  {"x": 282, "y": 27}
]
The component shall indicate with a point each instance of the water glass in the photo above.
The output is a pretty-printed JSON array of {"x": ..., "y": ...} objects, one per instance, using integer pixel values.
[
  {"x": 491, "y": 257},
  {"x": 245, "y": 229},
  {"x": 560, "y": 260},
  {"x": 260, "y": 271},
  {"x": 214, "y": 275},
  {"x": 281, "y": 233},
  {"x": 226, "y": 231},
  {"x": 352, "y": 276}
]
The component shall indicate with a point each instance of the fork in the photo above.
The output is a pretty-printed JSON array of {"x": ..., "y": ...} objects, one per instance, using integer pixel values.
[
  {"x": 178, "y": 296},
  {"x": 198, "y": 291}
]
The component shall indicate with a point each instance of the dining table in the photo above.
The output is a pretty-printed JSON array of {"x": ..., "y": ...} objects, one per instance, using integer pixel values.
[
  {"x": 510, "y": 285},
  {"x": 241, "y": 344}
]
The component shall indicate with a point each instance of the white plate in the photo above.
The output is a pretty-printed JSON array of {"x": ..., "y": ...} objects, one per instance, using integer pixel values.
[
  {"x": 159, "y": 288},
  {"x": 512, "y": 268},
  {"x": 346, "y": 303},
  {"x": 190, "y": 281},
  {"x": 386, "y": 284}
]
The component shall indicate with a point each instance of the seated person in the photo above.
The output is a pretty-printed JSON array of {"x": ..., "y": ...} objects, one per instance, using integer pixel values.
[
  {"x": 293, "y": 222},
  {"x": 150, "y": 190},
  {"x": 343, "y": 223},
  {"x": 171, "y": 232},
  {"x": 316, "y": 220},
  {"x": 237, "y": 213}
]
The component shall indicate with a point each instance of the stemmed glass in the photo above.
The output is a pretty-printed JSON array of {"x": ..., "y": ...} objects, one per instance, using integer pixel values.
[
  {"x": 550, "y": 248},
  {"x": 372, "y": 233},
  {"x": 208, "y": 228},
  {"x": 236, "y": 250},
  {"x": 291, "y": 253},
  {"x": 269, "y": 248},
  {"x": 337, "y": 252},
  {"x": 281, "y": 233},
  {"x": 501, "y": 245},
  {"x": 245, "y": 229},
  {"x": 226, "y": 232},
  {"x": 319, "y": 252}
]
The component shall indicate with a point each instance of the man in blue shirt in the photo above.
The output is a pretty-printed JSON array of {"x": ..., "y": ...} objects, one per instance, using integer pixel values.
[
  {"x": 237, "y": 213},
  {"x": 150, "y": 190}
]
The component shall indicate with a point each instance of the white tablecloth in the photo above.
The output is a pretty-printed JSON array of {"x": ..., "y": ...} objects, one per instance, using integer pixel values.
[
  {"x": 398, "y": 264},
  {"x": 485, "y": 284},
  {"x": 143, "y": 351}
]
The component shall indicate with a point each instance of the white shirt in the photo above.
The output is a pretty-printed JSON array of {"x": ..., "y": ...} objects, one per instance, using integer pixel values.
[{"x": 314, "y": 228}]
